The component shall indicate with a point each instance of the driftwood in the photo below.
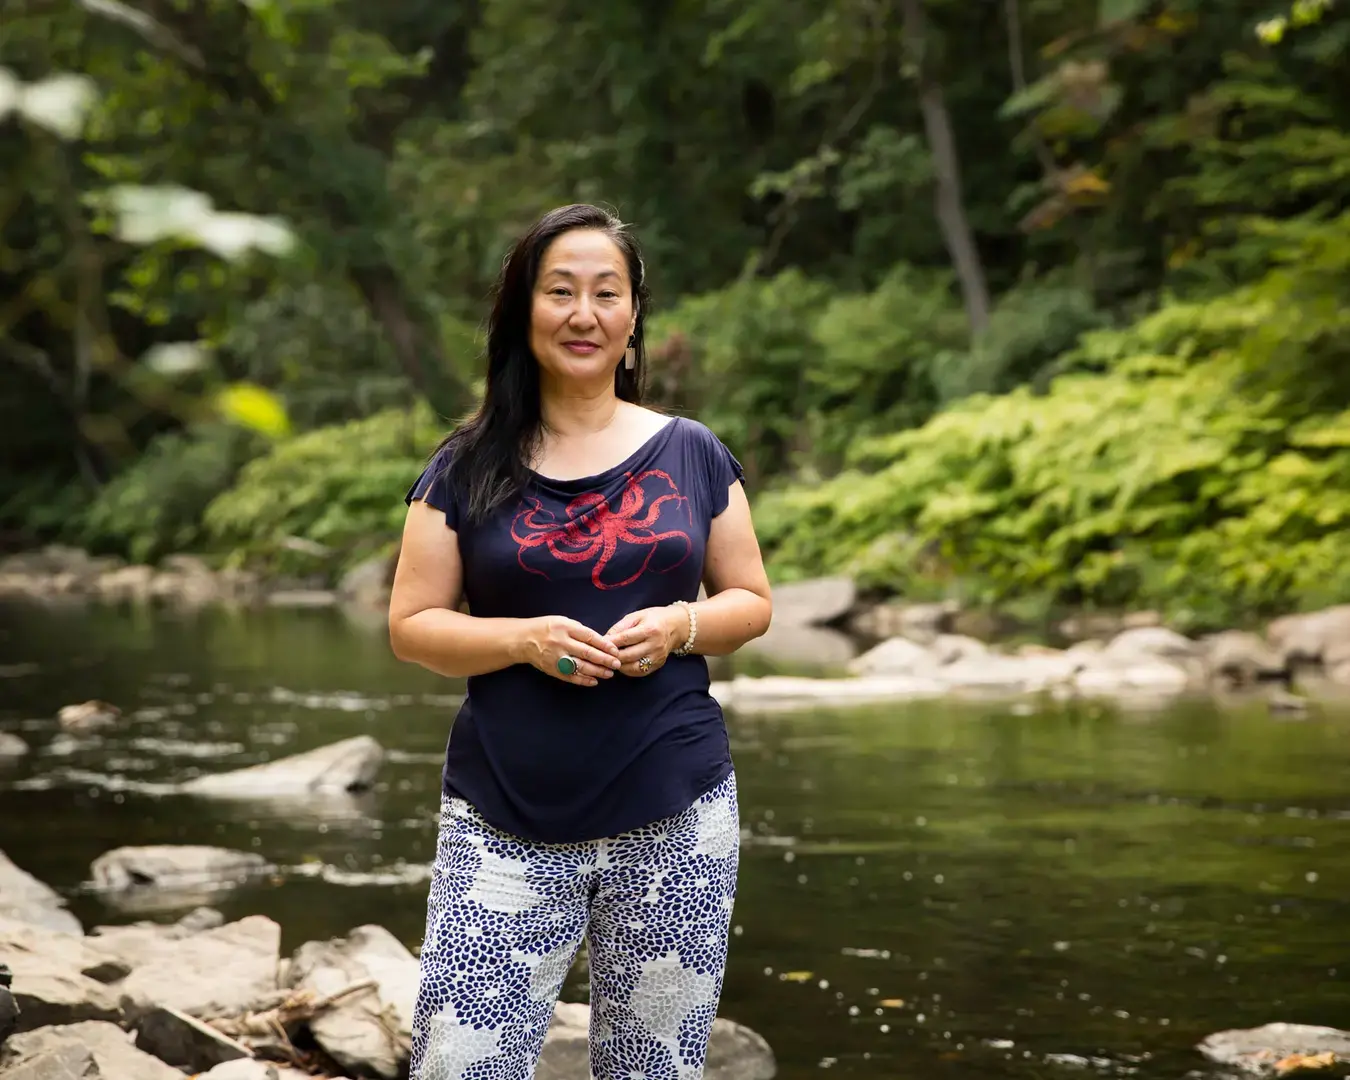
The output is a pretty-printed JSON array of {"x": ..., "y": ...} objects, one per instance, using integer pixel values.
[{"x": 280, "y": 1014}]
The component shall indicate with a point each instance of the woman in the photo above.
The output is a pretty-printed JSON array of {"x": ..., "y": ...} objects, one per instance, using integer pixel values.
[{"x": 588, "y": 784}]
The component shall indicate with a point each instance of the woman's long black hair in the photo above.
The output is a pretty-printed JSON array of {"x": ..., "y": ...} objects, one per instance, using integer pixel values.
[{"x": 491, "y": 450}]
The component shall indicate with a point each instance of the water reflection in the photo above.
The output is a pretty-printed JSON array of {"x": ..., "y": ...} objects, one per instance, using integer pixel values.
[{"x": 937, "y": 891}]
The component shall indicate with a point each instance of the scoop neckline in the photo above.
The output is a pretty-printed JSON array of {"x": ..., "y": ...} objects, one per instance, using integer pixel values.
[{"x": 645, "y": 447}]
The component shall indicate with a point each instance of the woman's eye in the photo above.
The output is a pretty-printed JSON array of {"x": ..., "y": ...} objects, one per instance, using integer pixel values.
[{"x": 558, "y": 292}]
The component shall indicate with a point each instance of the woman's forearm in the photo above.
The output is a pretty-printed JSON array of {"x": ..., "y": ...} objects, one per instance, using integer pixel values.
[
  {"x": 457, "y": 645},
  {"x": 727, "y": 621}
]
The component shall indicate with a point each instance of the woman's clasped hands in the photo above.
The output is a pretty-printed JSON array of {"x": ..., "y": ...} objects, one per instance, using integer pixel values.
[{"x": 636, "y": 645}]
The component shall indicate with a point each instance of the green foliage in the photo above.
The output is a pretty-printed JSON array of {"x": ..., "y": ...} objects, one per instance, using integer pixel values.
[
  {"x": 322, "y": 500},
  {"x": 1171, "y": 480},
  {"x": 155, "y": 508},
  {"x": 792, "y": 372}
]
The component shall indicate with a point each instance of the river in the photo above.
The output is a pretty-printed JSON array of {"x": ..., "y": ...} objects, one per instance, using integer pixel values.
[{"x": 929, "y": 891}]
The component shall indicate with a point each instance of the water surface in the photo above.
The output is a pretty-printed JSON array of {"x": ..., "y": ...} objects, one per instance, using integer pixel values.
[{"x": 927, "y": 891}]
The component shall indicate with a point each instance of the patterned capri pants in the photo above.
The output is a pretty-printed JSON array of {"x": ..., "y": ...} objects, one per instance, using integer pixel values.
[{"x": 505, "y": 920}]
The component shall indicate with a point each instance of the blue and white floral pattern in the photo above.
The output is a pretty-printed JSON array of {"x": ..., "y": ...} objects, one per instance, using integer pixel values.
[{"x": 505, "y": 919}]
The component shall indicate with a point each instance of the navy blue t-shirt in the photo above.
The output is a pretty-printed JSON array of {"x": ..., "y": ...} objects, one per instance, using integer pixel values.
[{"x": 543, "y": 759}]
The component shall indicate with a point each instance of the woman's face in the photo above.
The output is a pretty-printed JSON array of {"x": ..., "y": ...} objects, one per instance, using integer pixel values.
[{"x": 582, "y": 312}]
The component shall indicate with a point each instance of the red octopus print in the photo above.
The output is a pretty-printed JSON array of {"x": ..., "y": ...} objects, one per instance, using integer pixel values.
[{"x": 594, "y": 530}]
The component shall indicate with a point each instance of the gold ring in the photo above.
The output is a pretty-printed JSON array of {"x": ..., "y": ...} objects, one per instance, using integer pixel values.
[{"x": 645, "y": 664}]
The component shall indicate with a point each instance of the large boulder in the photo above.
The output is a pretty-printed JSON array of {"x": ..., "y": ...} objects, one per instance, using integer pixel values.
[
  {"x": 171, "y": 876},
  {"x": 1241, "y": 658},
  {"x": 811, "y": 647},
  {"x": 221, "y": 971},
  {"x": 84, "y": 1051},
  {"x": 339, "y": 768},
  {"x": 789, "y": 693},
  {"x": 1276, "y": 1049},
  {"x": 814, "y": 603},
  {"x": 734, "y": 1051},
  {"x": 1322, "y": 637},
  {"x": 895, "y": 656},
  {"x": 24, "y": 898},
  {"x": 367, "y": 584},
  {"x": 1153, "y": 643},
  {"x": 369, "y": 1031},
  {"x": 54, "y": 976},
  {"x": 185, "y": 1042}
]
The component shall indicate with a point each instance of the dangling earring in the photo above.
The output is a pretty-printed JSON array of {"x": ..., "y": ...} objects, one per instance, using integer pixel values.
[{"x": 630, "y": 355}]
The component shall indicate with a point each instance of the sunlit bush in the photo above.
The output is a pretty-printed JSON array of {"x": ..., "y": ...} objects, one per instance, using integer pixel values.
[{"x": 1176, "y": 479}]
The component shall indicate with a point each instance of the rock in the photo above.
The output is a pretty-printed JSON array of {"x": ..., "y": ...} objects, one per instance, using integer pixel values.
[
  {"x": 1126, "y": 679},
  {"x": 1263, "y": 1051},
  {"x": 1320, "y": 638},
  {"x": 1240, "y": 658},
  {"x": 82, "y": 1051},
  {"x": 367, "y": 583},
  {"x": 254, "y": 1070},
  {"x": 218, "y": 972},
  {"x": 341, "y": 767},
  {"x": 182, "y": 1041},
  {"x": 734, "y": 1052},
  {"x": 1307, "y": 639},
  {"x": 919, "y": 622},
  {"x": 803, "y": 646},
  {"x": 787, "y": 693},
  {"x": 88, "y": 716},
  {"x": 49, "y": 981},
  {"x": 172, "y": 875},
  {"x": 818, "y": 602},
  {"x": 895, "y": 656},
  {"x": 303, "y": 598},
  {"x": 948, "y": 648},
  {"x": 126, "y": 584},
  {"x": 11, "y": 748},
  {"x": 1152, "y": 642},
  {"x": 369, "y": 1031},
  {"x": 25, "y": 899},
  {"x": 1007, "y": 675}
]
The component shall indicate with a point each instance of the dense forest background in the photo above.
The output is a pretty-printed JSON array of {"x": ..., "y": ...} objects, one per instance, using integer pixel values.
[{"x": 1018, "y": 301}]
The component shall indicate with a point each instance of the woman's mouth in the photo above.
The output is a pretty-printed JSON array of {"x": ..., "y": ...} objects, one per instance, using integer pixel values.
[{"x": 581, "y": 348}]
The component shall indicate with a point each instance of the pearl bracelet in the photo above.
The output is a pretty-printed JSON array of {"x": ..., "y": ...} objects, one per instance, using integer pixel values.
[{"x": 688, "y": 646}]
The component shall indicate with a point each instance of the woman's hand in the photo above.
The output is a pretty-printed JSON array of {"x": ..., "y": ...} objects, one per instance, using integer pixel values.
[
  {"x": 651, "y": 634},
  {"x": 548, "y": 639}
]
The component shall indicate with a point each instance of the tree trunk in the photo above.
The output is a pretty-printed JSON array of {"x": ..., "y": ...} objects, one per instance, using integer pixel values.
[
  {"x": 951, "y": 211},
  {"x": 419, "y": 353}
]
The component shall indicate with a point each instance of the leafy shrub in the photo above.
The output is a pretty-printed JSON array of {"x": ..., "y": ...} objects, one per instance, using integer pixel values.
[
  {"x": 790, "y": 373},
  {"x": 155, "y": 507},
  {"x": 1166, "y": 481},
  {"x": 322, "y": 500}
]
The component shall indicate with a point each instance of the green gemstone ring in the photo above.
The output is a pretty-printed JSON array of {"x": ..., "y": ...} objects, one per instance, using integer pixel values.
[{"x": 566, "y": 665}]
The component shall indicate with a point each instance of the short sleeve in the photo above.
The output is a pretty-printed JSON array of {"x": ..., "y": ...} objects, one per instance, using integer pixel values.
[
  {"x": 433, "y": 487},
  {"x": 723, "y": 471}
]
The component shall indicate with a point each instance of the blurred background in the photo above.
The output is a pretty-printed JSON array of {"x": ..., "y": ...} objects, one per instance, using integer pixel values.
[{"x": 1032, "y": 310}]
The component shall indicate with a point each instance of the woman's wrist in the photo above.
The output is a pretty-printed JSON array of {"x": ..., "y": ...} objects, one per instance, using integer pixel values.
[{"x": 685, "y": 622}]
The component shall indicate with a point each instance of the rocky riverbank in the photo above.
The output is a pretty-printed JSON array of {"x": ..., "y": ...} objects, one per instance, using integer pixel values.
[
  {"x": 58, "y": 574},
  {"x": 214, "y": 999},
  {"x": 218, "y": 1000},
  {"x": 856, "y": 651}
]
